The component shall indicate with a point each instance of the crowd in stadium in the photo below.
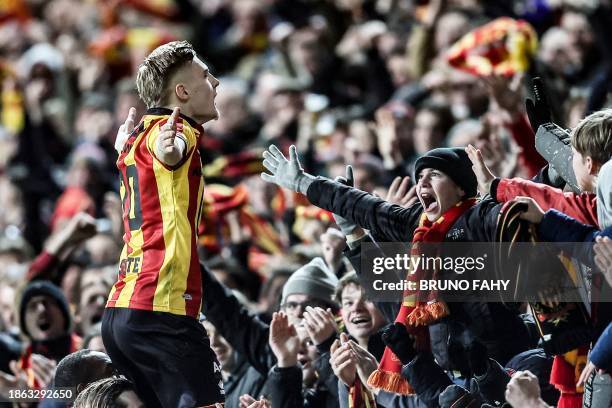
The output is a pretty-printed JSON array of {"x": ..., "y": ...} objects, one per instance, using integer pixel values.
[{"x": 401, "y": 91}]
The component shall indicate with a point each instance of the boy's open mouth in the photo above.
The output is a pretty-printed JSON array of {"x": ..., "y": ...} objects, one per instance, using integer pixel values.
[{"x": 429, "y": 202}]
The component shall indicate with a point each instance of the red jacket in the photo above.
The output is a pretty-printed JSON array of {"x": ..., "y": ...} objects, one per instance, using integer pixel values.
[
  {"x": 43, "y": 267},
  {"x": 582, "y": 207},
  {"x": 523, "y": 135}
]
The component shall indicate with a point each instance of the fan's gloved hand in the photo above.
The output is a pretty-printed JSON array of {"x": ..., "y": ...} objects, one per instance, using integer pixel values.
[
  {"x": 538, "y": 109},
  {"x": 478, "y": 358},
  {"x": 551, "y": 141},
  {"x": 553, "y": 144},
  {"x": 286, "y": 173},
  {"x": 455, "y": 396},
  {"x": 402, "y": 343},
  {"x": 347, "y": 227}
]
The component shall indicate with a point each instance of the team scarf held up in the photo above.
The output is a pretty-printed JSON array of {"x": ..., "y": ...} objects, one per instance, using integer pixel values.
[
  {"x": 502, "y": 47},
  {"x": 415, "y": 313}
]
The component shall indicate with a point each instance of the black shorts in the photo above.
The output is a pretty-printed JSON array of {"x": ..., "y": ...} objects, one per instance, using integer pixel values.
[{"x": 167, "y": 357}]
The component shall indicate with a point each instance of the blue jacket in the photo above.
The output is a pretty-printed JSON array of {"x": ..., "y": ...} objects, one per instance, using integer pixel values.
[
  {"x": 601, "y": 355},
  {"x": 559, "y": 227}
]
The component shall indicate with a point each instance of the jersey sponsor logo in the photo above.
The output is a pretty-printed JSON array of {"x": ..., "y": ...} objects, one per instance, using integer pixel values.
[{"x": 130, "y": 265}]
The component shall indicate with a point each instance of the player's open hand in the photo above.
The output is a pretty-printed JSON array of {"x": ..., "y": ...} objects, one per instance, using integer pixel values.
[{"x": 125, "y": 130}]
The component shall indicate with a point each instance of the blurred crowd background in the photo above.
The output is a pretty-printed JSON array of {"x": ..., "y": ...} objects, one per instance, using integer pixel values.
[{"x": 372, "y": 83}]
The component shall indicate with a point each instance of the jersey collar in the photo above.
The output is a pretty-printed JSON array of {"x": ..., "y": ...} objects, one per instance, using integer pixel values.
[{"x": 168, "y": 112}]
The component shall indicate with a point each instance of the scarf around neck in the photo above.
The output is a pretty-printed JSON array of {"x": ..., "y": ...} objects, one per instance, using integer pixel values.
[{"x": 415, "y": 313}]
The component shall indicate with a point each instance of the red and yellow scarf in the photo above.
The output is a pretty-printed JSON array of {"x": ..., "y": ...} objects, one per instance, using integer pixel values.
[
  {"x": 415, "y": 314},
  {"x": 360, "y": 396},
  {"x": 502, "y": 47}
]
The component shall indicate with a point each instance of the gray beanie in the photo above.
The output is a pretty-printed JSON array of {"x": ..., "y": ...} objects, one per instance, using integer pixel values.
[{"x": 313, "y": 279}]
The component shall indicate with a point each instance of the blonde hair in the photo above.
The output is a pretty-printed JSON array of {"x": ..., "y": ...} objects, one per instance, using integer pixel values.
[
  {"x": 155, "y": 71},
  {"x": 593, "y": 136},
  {"x": 103, "y": 393}
]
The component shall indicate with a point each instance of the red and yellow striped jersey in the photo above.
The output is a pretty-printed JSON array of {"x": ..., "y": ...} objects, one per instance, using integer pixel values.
[{"x": 159, "y": 268}]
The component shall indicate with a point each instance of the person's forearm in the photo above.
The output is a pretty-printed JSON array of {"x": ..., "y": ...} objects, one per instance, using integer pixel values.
[
  {"x": 539, "y": 403},
  {"x": 426, "y": 377},
  {"x": 391, "y": 222},
  {"x": 582, "y": 207},
  {"x": 42, "y": 267},
  {"x": 58, "y": 243},
  {"x": 245, "y": 333},
  {"x": 601, "y": 355},
  {"x": 285, "y": 386},
  {"x": 523, "y": 136},
  {"x": 558, "y": 227},
  {"x": 286, "y": 361},
  {"x": 419, "y": 50},
  {"x": 325, "y": 373}
]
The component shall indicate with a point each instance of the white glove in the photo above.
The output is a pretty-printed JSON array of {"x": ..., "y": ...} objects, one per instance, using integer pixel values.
[
  {"x": 553, "y": 143},
  {"x": 286, "y": 173}
]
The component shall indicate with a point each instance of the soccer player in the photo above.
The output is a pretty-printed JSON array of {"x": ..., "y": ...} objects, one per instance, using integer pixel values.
[{"x": 150, "y": 327}]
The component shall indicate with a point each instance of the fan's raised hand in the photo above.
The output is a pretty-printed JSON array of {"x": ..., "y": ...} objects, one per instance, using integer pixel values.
[{"x": 286, "y": 173}]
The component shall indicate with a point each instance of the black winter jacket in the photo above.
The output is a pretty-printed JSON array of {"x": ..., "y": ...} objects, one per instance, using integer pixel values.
[
  {"x": 243, "y": 380},
  {"x": 496, "y": 326},
  {"x": 248, "y": 335}
]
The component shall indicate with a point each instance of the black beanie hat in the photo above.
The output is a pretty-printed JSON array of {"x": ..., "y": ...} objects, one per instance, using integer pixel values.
[
  {"x": 452, "y": 161},
  {"x": 46, "y": 288}
]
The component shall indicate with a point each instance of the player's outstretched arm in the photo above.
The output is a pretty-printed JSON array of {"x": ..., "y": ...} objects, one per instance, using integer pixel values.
[{"x": 170, "y": 145}]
